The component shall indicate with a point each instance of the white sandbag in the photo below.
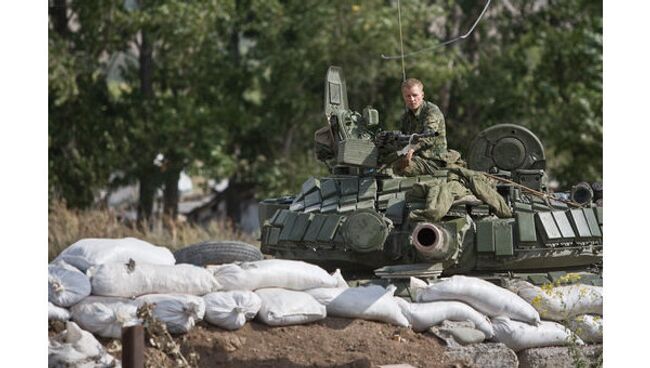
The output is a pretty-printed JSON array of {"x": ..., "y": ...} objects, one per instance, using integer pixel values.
[
  {"x": 340, "y": 281},
  {"x": 325, "y": 295},
  {"x": 519, "y": 335},
  {"x": 179, "y": 312},
  {"x": 561, "y": 302},
  {"x": 372, "y": 303},
  {"x": 105, "y": 316},
  {"x": 91, "y": 252},
  {"x": 483, "y": 296},
  {"x": 589, "y": 328},
  {"x": 117, "y": 279},
  {"x": 282, "y": 307},
  {"x": 75, "y": 347},
  {"x": 57, "y": 313},
  {"x": 231, "y": 309},
  {"x": 272, "y": 273},
  {"x": 424, "y": 315},
  {"x": 66, "y": 285}
]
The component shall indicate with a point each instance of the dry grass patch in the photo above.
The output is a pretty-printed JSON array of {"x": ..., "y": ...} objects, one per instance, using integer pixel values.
[{"x": 66, "y": 226}]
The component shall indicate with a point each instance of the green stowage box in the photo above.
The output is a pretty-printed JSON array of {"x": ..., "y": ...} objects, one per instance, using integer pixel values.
[
  {"x": 564, "y": 225},
  {"x": 599, "y": 215},
  {"x": 268, "y": 211},
  {"x": 312, "y": 199},
  {"x": 300, "y": 226},
  {"x": 495, "y": 237},
  {"x": 503, "y": 237},
  {"x": 592, "y": 222},
  {"x": 348, "y": 186},
  {"x": 485, "y": 237},
  {"x": 526, "y": 231},
  {"x": 314, "y": 227},
  {"x": 272, "y": 235},
  {"x": 545, "y": 224},
  {"x": 367, "y": 204},
  {"x": 330, "y": 201},
  {"x": 367, "y": 188},
  {"x": 328, "y": 230},
  {"x": 280, "y": 217},
  {"x": 390, "y": 185},
  {"x": 328, "y": 188},
  {"x": 579, "y": 223},
  {"x": 310, "y": 185},
  {"x": 330, "y": 208},
  {"x": 288, "y": 225},
  {"x": 357, "y": 152},
  {"x": 348, "y": 199}
]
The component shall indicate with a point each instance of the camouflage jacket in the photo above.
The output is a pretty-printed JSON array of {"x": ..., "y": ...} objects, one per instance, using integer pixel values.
[{"x": 427, "y": 118}]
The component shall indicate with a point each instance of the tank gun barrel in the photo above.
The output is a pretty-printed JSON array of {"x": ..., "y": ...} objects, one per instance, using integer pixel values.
[{"x": 431, "y": 241}]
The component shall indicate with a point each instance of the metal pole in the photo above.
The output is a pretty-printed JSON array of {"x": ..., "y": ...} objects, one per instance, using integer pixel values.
[{"x": 133, "y": 347}]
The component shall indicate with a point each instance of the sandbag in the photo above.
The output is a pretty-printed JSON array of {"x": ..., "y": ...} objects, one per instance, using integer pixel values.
[
  {"x": 179, "y": 312},
  {"x": 272, "y": 273},
  {"x": 117, "y": 279},
  {"x": 483, "y": 296},
  {"x": 372, "y": 303},
  {"x": 91, "y": 252},
  {"x": 519, "y": 335},
  {"x": 105, "y": 316},
  {"x": 282, "y": 307},
  {"x": 57, "y": 313},
  {"x": 77, "y": 348},
  {"x": 589, "y": 328},
  {"x": 66, "y": 285},
  {"x": 231, "y": 309},
  {"x": 561, "y": 302},
  {"x": 424, "y": 315},
  {"x": 340, "y": 281}
]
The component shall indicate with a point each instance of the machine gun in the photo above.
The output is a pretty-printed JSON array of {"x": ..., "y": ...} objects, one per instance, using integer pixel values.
[
  {"x": 393, "y": 145},
  {"x": 396, "y": 141}
]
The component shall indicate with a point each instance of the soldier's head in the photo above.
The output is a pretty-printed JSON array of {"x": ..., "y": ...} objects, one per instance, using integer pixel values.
[{"x": 413, "y": 93}]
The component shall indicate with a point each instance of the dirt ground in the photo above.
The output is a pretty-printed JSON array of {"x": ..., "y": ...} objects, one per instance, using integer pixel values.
[{"x": 332, "y": 342}]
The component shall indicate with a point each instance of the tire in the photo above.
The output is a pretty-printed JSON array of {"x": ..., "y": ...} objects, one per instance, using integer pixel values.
[{"x": 217, "y": 252}]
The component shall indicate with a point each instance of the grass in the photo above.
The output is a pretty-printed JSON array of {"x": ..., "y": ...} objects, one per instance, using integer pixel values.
[{"x": 66, "y": 226}]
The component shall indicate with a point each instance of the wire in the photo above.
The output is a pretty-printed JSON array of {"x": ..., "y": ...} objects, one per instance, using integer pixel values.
[
  {"x": 462, "y": 37},
  {"x": 401, "y": 42}
]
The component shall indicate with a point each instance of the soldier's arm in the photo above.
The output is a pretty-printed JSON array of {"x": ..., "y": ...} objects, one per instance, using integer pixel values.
[{"x": 435, "y": 122}]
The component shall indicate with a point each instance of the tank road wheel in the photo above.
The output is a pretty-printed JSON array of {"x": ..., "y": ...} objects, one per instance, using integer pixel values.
[{"x": 217, "y": 252}]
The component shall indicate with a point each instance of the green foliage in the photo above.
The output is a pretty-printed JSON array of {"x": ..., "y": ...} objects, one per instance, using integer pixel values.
[
  {"x": 543, "y": 71},
  {"x": 235, "y": 87}
]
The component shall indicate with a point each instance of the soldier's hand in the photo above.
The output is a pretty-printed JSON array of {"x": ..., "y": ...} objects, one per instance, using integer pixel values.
[{"x": 409, "y": 155}]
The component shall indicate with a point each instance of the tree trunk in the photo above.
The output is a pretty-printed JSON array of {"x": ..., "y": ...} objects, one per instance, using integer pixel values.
[
  {"x": 235, "y": 195},
  {"x": 148, "y": 174},
  {"x": 59, "y": 15},
  {"x": 148, "y": 186},
  {"x": 170, "y": 193},
  {"x": 146, "y": 66}
]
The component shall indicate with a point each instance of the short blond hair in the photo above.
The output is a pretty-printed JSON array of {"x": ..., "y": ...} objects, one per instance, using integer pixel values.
[{"x": 412, "y": 82}]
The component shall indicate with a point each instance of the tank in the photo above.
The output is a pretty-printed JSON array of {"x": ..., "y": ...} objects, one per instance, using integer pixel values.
[{"x": 360, "y": 217}]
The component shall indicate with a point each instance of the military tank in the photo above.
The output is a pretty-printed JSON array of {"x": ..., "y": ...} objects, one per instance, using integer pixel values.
[{"x": 358, "y": 217}]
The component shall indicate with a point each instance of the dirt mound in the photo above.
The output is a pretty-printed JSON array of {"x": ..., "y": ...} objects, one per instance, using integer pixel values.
[{"x": 332, "y": 342}]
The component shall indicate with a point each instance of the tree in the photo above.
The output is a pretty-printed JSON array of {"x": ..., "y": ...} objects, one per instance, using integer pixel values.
[{"x": 235, "y": 88}]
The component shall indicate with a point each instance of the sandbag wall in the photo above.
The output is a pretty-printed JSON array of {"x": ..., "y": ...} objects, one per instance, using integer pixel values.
[{"x": 100, "y": 283}]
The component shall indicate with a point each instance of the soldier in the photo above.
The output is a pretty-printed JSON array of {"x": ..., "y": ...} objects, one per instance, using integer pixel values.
[{"x": 421, "y": 116}]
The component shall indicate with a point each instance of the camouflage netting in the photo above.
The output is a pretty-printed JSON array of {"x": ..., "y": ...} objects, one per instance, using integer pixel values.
[{"x": 439, "y": 194}]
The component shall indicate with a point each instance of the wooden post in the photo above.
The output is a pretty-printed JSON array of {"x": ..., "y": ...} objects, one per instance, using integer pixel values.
[{"x": 133, "y": 347}]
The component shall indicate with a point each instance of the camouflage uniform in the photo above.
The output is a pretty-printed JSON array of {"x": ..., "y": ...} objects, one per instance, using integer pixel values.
[{"x": 429, "y": 151}]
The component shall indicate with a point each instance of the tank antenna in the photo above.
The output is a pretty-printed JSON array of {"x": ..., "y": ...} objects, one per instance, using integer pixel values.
[
  {"x": 401, "y": 42},
  {"x": 462, "y": 37}
]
